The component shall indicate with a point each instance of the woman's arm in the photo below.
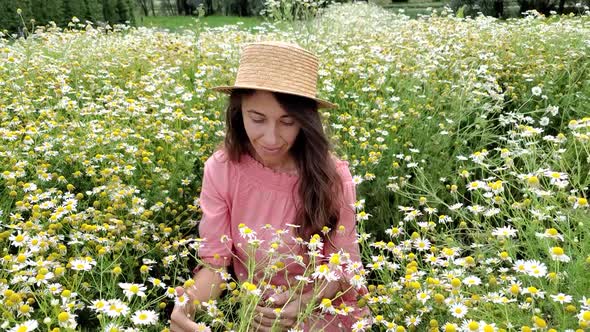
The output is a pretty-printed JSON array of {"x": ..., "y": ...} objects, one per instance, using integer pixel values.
[{"x": 206, "y": 286}]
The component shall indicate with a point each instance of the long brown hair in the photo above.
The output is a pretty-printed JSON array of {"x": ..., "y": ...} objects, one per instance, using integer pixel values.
[{"x": 320, "y": 185}]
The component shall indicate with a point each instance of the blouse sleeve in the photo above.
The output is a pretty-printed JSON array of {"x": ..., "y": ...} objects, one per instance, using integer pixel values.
[
  {"x": 214, "y": 227},
  {"x": 343, "y": 240}
]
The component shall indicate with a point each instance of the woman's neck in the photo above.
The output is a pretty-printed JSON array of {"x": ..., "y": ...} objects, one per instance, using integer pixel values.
[{"x": 287, "y": 166}]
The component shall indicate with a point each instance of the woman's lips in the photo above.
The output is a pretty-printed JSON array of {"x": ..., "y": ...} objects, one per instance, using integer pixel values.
[{"x": 269, "y": 150}]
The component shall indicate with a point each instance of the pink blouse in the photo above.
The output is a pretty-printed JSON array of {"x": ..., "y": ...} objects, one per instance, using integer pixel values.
[{"x": 246, "y": 202}]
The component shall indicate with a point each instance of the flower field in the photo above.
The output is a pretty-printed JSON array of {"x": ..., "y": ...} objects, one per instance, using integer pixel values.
[{"x": 469, "y": 140}]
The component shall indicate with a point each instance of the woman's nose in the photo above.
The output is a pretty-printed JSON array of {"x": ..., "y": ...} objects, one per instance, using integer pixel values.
[{"x": 271, "y": 136}]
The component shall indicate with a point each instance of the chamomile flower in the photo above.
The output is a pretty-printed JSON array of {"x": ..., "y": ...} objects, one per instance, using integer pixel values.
[
  {"x": 113, "y": 327},
  {"x": 324, "y": 272},
  {"x": 472, "y": 281},
  {"x": 326, "y": 306},
  {"x": 504, "y": 232},
  {"x": 535, "y": 268},
  {"x": 357, "y": 179},
  {"x": 458, "y": 310},
  {"x": 561, "y": 298},
  {"x": 132, "y": 289},
  {"x": 116, "y": 308},
  {"x": 144, "y": 317},
  {"x": 581, "y": 202},
  {"x": 81, "y": 264},
  {"x": 26, "y": 326},
  {"x": 584, "y": 316},
  {"x": 19, "y": 239},
  {"x": 550, "y": 233},
  {"x": 202, "y": 327},
  {"x": 250, "y": 288},
  {"x": 475, "y": 185},
  {"x": 558, "y": 254},
  {"x": 422, "y": 244},
  {"x": 99, "y": 305},
  {"x": 360, "y": 325}
]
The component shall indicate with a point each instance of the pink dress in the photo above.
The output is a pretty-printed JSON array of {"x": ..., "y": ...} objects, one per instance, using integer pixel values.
[{"x": 256, "y": 196}]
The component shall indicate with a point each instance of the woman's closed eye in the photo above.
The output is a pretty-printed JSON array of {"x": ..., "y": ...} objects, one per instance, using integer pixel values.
[{"x": 286, "y": 123}]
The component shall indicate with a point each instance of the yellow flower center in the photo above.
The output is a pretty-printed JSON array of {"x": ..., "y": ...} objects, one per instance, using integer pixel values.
[
  {"x": 558, "y": 251},
  {"x": 63, "y": 316},
  {"x": 450, "y": 328},
  {"x": 335, "y": 259},
  {"x": 533, "y": 180}
]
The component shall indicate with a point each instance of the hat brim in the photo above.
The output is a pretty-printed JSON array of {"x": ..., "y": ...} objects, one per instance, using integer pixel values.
[{"x": 228, "y": 89}]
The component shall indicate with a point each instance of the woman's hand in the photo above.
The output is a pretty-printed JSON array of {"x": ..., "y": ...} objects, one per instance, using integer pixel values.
[
  {"x": 282, "y": 314},
  {"x": 285, "y": 308},
  {"x": 181, "y": 319}
]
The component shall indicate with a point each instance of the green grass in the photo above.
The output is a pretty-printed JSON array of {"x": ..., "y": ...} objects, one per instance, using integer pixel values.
[
  {"x": 416, "y": 5},
  {"x": 413, "y": 9},
  {"x": 178, "y": 23}
]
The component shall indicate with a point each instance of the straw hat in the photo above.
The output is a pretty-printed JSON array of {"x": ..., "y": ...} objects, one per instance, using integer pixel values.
[{"x": 279, "y": 67}]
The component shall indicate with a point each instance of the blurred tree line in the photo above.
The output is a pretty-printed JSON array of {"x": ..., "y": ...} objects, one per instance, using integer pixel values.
[
  {"x": 189, "y": 7},
  {"x": 111, "y": 11},
  {"x": 62, "y": 11},
  {"x": 504, "y": 8}
]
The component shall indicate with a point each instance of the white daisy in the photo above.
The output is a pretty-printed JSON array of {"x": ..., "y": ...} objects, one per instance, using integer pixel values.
[
  {"x": 458, "y": 310},
  {"x": 562, "y": 298},
  {"x": 116, "y": 308},
  {"x": 131, "y": 289},
  {"x": 472, "y": 281},
  {"x": 29, "y": 325},
  {"x": 504, "y": 232},
  {"x": 144, "y": 317},
  {"x": 81, "y": 264}
]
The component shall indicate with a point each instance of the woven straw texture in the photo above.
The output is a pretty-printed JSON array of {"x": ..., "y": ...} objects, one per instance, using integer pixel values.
[{"x": 280, "y": 67}]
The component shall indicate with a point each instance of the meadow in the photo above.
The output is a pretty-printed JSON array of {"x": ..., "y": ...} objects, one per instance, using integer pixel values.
[{"x": 468, "y": 138}]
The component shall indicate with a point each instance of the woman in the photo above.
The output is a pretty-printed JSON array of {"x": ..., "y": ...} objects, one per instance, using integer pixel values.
[{"x": 275, "y": 174}]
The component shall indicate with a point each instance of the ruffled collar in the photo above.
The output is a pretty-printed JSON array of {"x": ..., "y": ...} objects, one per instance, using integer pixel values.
[{"x": 266, "y": 176}]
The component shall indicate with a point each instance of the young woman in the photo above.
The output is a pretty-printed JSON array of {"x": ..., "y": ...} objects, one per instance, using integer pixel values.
[{"x": 275, "y": 174}]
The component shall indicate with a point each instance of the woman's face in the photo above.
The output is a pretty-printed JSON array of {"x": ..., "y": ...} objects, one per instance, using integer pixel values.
[{"x": 270, "y": 129}]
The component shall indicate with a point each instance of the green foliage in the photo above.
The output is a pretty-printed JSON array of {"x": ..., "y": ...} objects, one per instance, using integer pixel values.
[
  {"x": 461, "y": 12},
  {"x": 94, "y": 11},
  {"x": 473, "y": 7},
  {"x": 225, "y": 7},
  {"x": 74, "y": 8},
  {"x": 255, "y": 6},
  {"x": 45, "y": 11},
  {"x": 10, "y": 20},
  {"x": 62, "y": 11},
  {"x": 290, "y": 10}
]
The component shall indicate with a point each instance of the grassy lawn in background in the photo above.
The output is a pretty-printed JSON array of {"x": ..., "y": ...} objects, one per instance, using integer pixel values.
[
  {"x": 413, "y": 9},
  {"x": 176, "y": 23}
]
